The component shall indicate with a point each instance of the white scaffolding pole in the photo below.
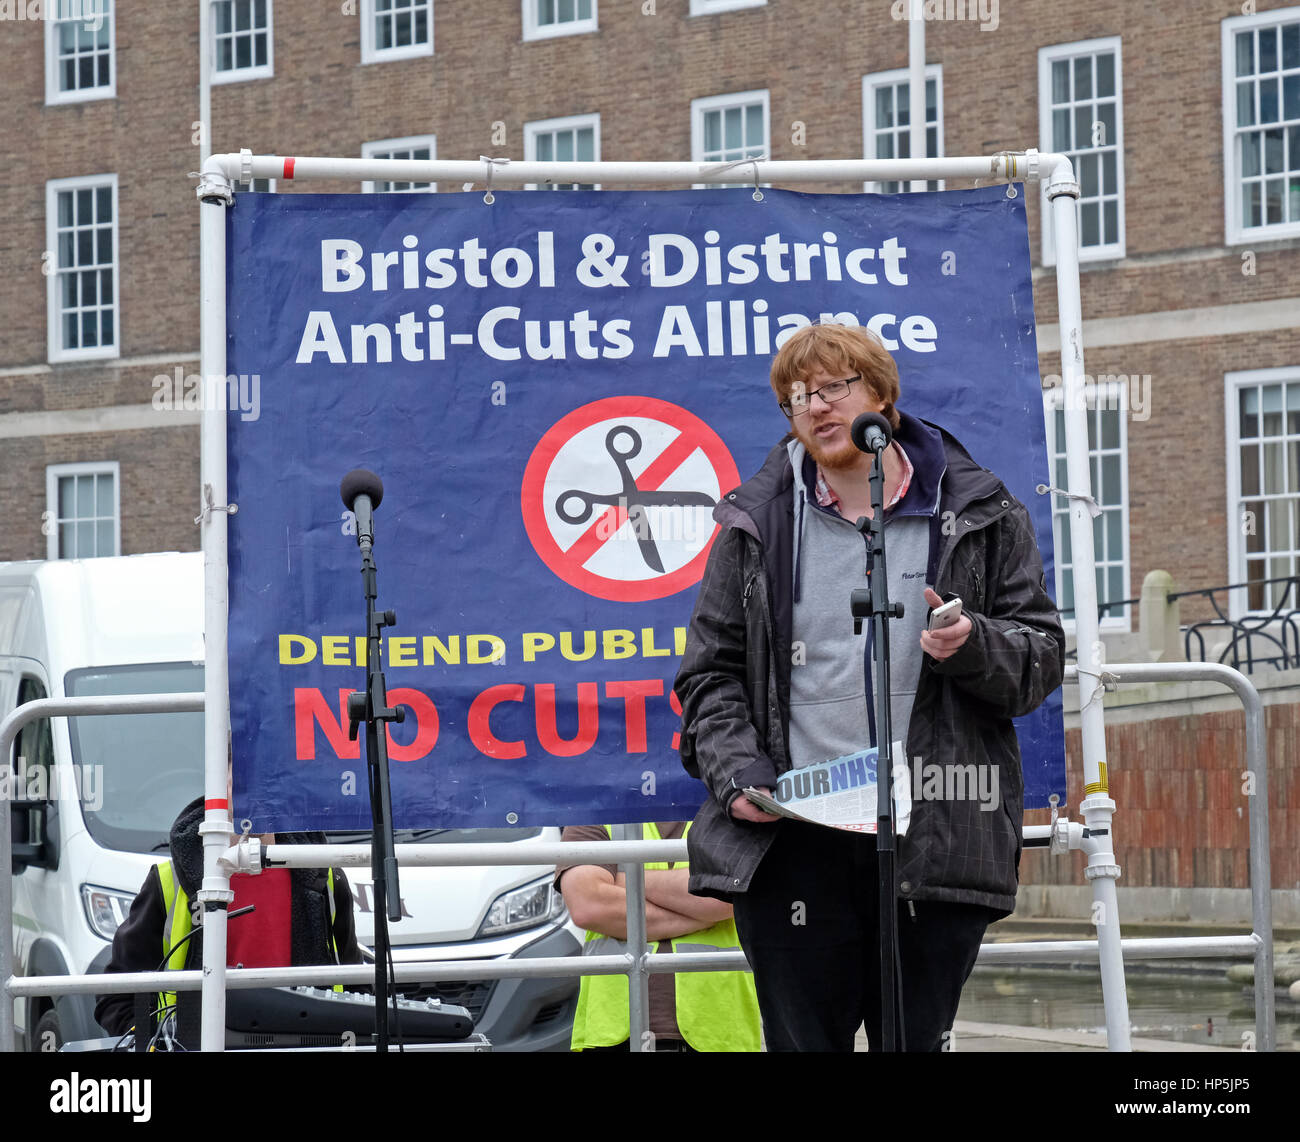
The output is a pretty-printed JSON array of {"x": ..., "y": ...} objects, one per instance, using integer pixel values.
[
  {"x": 214, "y": 894},
  {"x": 916, "y": 85}
]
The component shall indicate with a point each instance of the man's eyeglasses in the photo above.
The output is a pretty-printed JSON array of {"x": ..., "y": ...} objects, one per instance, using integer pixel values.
[{"x": 800, "y": 403}]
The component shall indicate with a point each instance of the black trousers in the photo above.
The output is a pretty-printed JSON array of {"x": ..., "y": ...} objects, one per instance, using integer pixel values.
[{"x": 809, "y": 925}]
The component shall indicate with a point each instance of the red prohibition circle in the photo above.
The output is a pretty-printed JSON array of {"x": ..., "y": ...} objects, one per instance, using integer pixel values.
[{"x": 532, "y": 496}]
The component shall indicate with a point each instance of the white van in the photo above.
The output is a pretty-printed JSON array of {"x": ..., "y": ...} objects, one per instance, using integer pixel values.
[{"x": 102, "y": 793}]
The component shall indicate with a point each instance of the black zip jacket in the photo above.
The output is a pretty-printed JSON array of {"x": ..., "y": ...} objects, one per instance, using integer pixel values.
[{"x": 734, "y": 681}]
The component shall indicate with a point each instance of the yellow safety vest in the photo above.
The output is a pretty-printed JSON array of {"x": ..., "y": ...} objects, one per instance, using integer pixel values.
[
  {"x": 179, "y": 923},
  {"x": 716, "y": 1011}
]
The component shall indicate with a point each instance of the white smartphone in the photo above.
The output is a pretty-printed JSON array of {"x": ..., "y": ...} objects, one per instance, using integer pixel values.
[{"x": 945, "y": 615}]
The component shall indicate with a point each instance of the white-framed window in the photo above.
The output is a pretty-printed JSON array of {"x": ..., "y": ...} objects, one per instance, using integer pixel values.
[
  {"x": 411, "y": 147},
  {"x": 258, "y": 185},
  {"x": 1261, "y": 125},
  {"x": 887, "y": 119},
  {"x": 729, "y": 127},
  {"x": 242, "y": 40},
  {"x": 1081, "y": 114},
  {"x": 1263, "y": 434},
  {"x": 81, "y": 288},
  {"x": 574, "y": 138},
  {"x": 545, "y": 19},
  {"x": 83, "y": 506},
  {"x": 1108, "y": 473},
  {"x": 710, "y": 7},
  {"x": 396, "y": 29},
  {"x": 80, "y": 62}
]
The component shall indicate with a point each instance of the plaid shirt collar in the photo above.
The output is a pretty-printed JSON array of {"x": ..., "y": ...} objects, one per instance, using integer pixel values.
[{"x": 826, "y": 498}]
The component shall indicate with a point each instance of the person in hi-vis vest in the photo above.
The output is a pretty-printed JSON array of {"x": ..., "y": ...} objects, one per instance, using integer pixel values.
[{"x": 690, "y": 1011}]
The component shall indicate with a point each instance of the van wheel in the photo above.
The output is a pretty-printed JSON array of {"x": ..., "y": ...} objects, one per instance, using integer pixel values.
[{"x": 48, "y": 1035}]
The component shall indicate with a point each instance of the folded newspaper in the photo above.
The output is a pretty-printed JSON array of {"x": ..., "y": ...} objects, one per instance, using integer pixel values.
[{"x": 839, "y": 793}]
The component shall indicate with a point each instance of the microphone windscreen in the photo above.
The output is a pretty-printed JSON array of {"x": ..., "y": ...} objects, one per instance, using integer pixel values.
[
  {"x": 361, "y": 482},
  {"x": 869, "y": 420}
]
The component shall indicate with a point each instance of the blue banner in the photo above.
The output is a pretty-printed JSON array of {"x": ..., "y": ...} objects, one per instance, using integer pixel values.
[{"x": 520, "y": 374}]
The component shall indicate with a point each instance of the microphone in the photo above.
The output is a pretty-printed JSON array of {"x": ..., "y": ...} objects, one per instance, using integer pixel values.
[
  {"x": 362, "y": 492},
  {"x": 871, "y": 432}
]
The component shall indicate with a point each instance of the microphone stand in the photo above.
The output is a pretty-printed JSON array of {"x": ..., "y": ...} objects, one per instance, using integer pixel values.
[
  {"x": 874, "y": 603},
  {"x": 372, "y": 708}
]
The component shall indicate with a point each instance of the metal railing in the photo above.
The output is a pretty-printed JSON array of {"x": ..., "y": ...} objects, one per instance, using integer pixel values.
[
  {"x": 1244, "y": 631},
  {"x": 629, "y": 854}
]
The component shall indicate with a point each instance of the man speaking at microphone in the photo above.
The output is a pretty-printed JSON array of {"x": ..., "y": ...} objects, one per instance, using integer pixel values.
[{"x": 772, "y": 678}]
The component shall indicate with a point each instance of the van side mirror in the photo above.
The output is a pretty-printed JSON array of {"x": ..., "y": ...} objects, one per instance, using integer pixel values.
[{"x": 32, "y": 843}]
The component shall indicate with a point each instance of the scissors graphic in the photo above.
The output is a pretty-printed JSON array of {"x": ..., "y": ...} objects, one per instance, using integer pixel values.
[{"x": 631, "y": 498}]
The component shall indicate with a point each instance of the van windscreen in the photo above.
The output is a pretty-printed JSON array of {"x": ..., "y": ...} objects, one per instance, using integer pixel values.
[{"x": 136, "y": 772}]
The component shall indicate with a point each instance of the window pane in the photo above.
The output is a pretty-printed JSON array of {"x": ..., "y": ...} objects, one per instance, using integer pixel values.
[
  {"x": 712, "y": 131},
  {"x": 67, "y": 494},
  {"x": 1110, "y": 428},
  {"x": 67, "y": 541},
  {"x": 1249, "y": 469},
  {"x": 1267, "y": 49},
  {"x": 1090, "y": 224},
  {"x": 1274, "y": 473},
  {"x": 89, "y": 332},
  {"x": 754, "y": 126},
  {"x": 1106, "y": 116},
  {"x": 1268, "y": 100},
  {"x": 221, "y": 14},
  {"x": 1083, "y": 127},
  {"x": 1105, "y": 74},
  {"x": 1110, "y": 220},
  {"x": 564, "y": 146},
  {"x": 1291, "y": 46},
  {"x": 586, "y": 148},
  {"x": 1273, "y": 163},
  {"x": 1291, "y": 97},
  {"x": 544, "y": 148},
  {"x": 104, "y": 537},
  {"x": 1115, "y": 589},
  {"x": 1088, "y": 175},
  {"x": 884, "y": 106},
  {"x": 106, "y": 327},
  {"x": 566, "y": 11},
  {"x": 1115, "y": 535},
  {"x": 1279, "y": 525},
  {"x": 1250, "y": 154},
  {"x": 1060, "y": 81},
  {"x": 1273, "y": 200},
  {"x": 1110, "y": 489},
  {"x": 243, "y": 52},
  {"x": 1251, "y": 205},
  {"x": 1245, "y": 104},
  {"x": 85, "y": 497},
  {"x": 1109, "y": 168},
  {"x": 85, "y": 204},
  {"x": 104, "y": 496},
  {"x": 1248, "y": 408},
  {"x": 731, "y": 129},
  {"x": 1254, "y": 524},
  {"x": 1245, "y": 53},
  {"x": 1083, "y": 77}
]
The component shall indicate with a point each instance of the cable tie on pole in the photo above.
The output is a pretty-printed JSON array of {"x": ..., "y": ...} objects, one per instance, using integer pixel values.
[
  {"x": 758, "y": 194},
  {"x": 1094, "y": 508},
  {"x": 490, "y": 164},
  {"x": 1108, "y": 681},
  {"x": 209, "y": 507}
]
